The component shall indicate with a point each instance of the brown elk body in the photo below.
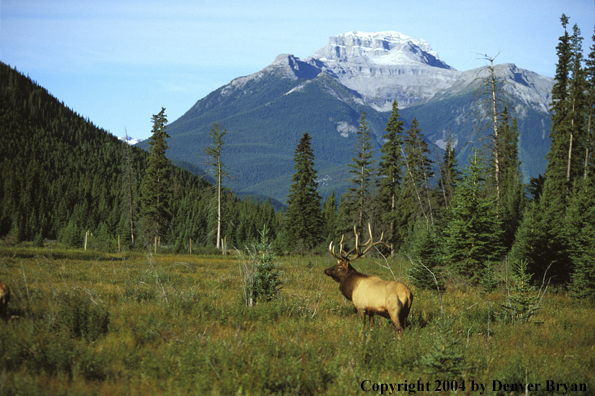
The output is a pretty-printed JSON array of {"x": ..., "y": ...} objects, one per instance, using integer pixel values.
[
  {"x": 370, "y": 295},
  {"x": 4, "y": 299}
]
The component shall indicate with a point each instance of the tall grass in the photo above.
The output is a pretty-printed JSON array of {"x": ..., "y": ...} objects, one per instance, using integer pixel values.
[{"x": 175, "y": 324}]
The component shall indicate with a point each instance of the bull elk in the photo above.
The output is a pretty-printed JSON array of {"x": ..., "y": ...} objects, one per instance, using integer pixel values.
[
  {"x": 370, "y": 295},
  {"x": 4, "y": 299}
]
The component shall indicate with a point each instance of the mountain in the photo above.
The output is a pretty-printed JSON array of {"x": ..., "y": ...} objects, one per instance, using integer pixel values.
[
  {"x": 61, "y": 176},
  {"x": 266, "y": 113},
  {"x": 130, "y": 140}
]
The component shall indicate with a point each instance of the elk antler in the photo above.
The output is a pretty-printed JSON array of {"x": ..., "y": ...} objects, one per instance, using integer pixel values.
[{"x": 344, "y": 256}]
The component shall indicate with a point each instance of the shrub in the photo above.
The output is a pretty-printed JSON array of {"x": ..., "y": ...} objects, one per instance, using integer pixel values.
[
  {"x": 261, "y": 278},
  {"x": 82, "y": 317},
  {"x": 446, "y": 357},
  {"x": 523, "y": 299}
]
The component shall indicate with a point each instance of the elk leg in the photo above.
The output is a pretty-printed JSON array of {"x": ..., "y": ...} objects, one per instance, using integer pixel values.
[{"x": 396, "y": 316}]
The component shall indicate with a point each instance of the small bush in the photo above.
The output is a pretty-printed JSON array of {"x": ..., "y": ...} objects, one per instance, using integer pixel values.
[
  {"x": 523, "y": 299},
  {"x": 261, "y": 278},
  {"x": 446, "y": 357},
  {"x": 82, "y": 317}
]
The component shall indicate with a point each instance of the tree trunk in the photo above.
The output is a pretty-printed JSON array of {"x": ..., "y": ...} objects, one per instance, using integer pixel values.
[
  {"x": 495, "y": 121},
  {"x": 218, "y": 202}
]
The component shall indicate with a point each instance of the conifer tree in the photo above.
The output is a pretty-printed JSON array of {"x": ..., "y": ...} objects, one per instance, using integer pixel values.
[
  {"x": 590, "y": 109},
  {"x": 359, "y": 194},
  {"x": 472, "y": 235},
  {"x": 214, "y": 154},
  {"x": 389, "y": 170},
  {"x": 558, "y": 155},
  {"x": 512, "y": 200},
  {"x": 330, "y": 216},
  {"x": 576, "y": 109},
  {"x": 491, "y": 102},
  {"x": 580, "y": 229},
  {"x": 156, "y": 189},
  {"x": 129, "y": 187},
  {"x": 449, "y": 174},
  {"x": 549, "y": 216},
  {"x": 303, "y": 225},
  {"x": 416, "y": 196}
]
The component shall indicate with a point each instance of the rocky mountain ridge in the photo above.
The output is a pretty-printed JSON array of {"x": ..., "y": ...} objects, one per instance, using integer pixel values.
[{"x": 325, "y": 94}]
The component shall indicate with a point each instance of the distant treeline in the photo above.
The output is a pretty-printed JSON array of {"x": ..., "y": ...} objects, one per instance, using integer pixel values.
[{"x": 61, "y": 176}]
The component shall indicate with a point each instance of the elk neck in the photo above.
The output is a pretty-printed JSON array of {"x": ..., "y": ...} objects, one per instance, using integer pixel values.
[{"x": 350, "y": 282}]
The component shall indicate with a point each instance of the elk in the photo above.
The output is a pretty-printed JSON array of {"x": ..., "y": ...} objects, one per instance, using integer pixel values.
[
  {"x": 4, "y": 299},
  {"x": 370, "y": 295}
]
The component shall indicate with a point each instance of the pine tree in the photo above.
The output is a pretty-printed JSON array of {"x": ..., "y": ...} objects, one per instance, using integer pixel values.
[
  {"x": 557, "y": 157},
  {"x": 447, "y": 356},
  {"x": 590, "y": 108},
  {"x": 156, "y": 189},
  {"x": 303, "y": 225},
  {"x": 512, "y": 199},
  {"x": 576, "y": 107},
  {"x": 416, "y": 197},
  {"x": 359, "y": 194},
  {"x": 214, "y": 154},
  {"x": 472, "y": 235},
  {"x": 389, "y": 171},
  {"x": 330, "y": 217},
  {"x": 129, "y": 188},
  {"x": 425, "y": 255},
  {"x": 549, "y": 217},
  {"x": 580, "y": 229},
  {"x": 491, "y": 102},
  {"x": 449, "y": 175}
]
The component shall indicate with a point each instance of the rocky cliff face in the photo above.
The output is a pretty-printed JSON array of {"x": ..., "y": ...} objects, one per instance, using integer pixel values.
[
  {"x": 382, "y": 67},
  {"x": 385, "y": 66}
]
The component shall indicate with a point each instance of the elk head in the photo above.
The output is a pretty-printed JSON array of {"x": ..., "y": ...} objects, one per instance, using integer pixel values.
[{"x": 344, "y": 259}]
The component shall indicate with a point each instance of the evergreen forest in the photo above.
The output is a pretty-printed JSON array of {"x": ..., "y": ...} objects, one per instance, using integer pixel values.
[{"x": 62, "y": 177}]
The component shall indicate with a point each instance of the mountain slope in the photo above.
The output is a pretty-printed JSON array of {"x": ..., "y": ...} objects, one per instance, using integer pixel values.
[
  {"x": 266, "y": 113},
  {"x": 61, "y": 176}
]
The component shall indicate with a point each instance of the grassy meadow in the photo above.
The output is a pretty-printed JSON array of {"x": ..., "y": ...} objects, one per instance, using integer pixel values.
[{"x": 93, "y": 323}]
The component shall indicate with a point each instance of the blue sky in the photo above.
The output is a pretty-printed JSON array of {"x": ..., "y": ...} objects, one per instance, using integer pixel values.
[{"x": 118, "y": 62}]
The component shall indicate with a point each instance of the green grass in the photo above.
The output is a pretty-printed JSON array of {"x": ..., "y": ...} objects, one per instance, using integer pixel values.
[{"x": 178, "y": 325}]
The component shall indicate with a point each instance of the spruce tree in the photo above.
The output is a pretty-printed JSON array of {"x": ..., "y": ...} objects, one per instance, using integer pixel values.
[
  {"x": 472, "y": 235},
  {"x": 214, "y": 154},
  {"x": 303, "y": 224},
  {"x": 416, "y": 196},
  {"x": 330, "y": 217},
  {"x": 512, "y": 200},
  {"x": 449, "y": 175},
  {"x": 491, "y": 102},
  {"x": 389, "y": 171},
  {"x": 590, "y": 109},
  {"x": 576, "y": 110},
  {"x": 580, "y": 229},
  {"x": 557, "y": 157},
  {"x": 549, "y": 217},
  {"x": 156, "y": 189},
  {"x": 359, "y": 194},
  {"x": 129, "y": 189}
]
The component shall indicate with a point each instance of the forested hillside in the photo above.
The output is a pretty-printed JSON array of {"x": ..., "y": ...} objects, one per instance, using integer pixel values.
[{"x": 61, "y": 176}]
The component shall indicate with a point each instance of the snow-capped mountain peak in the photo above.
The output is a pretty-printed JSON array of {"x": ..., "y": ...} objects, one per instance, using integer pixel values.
[
  {"x": 131, "y": 140},
  {"x": 385, "y": 66},
  {"x": 380, "y": 48}
]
